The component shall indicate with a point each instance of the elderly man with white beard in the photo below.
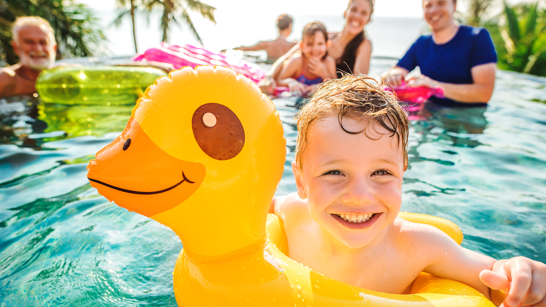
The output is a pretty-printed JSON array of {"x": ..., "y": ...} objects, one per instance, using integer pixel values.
[{"x": 34, "y": 43}]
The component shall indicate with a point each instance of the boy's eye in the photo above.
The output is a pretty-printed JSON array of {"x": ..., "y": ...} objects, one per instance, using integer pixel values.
[
  {"x": 334, "y": 173},
  {"x": 381, "y": 172}
]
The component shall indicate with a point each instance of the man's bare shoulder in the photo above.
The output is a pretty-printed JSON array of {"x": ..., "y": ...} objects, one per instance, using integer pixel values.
[
  {"x": 8, "y": 73},
  {"x": 8, "y": 79}
]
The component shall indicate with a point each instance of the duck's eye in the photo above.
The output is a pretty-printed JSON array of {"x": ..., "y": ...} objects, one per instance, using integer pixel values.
[
  {"x": 218, "y": 131},
  {"x": 126, "y": 144}
]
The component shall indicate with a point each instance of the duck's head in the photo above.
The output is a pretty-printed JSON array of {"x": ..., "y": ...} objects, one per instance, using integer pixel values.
[{"x": 202, "y": 154}]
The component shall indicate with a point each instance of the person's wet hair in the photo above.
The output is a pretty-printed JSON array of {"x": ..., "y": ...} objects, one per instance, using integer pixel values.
[
  {"x": 354, "y": 97},
  {"x": 284, "y": 21}
]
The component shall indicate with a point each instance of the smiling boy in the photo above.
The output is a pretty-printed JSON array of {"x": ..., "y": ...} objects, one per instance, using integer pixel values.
[{"x": 350, "y": 159}]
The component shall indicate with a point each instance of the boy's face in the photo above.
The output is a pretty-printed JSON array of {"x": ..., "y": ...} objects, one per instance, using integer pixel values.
[{"x": 353, "y": 183}]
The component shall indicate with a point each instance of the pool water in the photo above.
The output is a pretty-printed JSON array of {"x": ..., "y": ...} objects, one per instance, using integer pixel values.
[{"x": 61, "y": 243}]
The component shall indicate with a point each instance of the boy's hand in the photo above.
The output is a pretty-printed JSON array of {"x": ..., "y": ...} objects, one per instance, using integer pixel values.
[{"x": 523, "y": 279}]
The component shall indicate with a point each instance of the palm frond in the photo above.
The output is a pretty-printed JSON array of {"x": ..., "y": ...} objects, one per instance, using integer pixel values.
[
  {"x": 205, "y": 10},
  {"x": 117, "y": 22},
  {"x": 530, "y": 19},
  {"x": 189, "y": 22},
  {"x": 512, "y": 23}
]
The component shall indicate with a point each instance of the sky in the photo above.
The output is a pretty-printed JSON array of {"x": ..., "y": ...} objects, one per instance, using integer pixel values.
[
  {"x": 384, "y": 8},
  {"x": 244, "y": 22}
]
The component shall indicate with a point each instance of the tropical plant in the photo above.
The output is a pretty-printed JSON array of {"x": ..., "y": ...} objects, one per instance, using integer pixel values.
[
  {"x": 76, "y": 29},
  {"x": 178, "y": 10},
  {"x": 521, "y": 39},
  {"x": 477, "y": 11},
  {"x": 128, "y": 8}
]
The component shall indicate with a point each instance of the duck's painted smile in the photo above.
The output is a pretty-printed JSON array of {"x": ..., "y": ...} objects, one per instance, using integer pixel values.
[
  {"x": 184, "y": 179},
  {"x": 138, "y": 175}
]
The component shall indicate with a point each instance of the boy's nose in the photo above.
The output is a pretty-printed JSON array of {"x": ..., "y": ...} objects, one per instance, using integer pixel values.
[{"x": 358, "y": 192}]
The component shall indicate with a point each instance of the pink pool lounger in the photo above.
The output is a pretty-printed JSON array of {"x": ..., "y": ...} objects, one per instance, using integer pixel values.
[{"x": 188, "y": 55}]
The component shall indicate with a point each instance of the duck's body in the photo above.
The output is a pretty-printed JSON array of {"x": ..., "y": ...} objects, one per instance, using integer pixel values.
[{"x": 202, "y": 154}]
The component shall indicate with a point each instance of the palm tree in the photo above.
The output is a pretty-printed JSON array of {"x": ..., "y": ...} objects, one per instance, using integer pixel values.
[
  {"x": 131, "y": 11},
  {"x": 77, "y": 31},
  {"x": 524, "y": 39},
  {"x": 176, "y": 10}
]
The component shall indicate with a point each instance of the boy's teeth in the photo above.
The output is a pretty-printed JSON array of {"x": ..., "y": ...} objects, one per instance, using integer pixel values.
[{"x": 356, "y": 218}]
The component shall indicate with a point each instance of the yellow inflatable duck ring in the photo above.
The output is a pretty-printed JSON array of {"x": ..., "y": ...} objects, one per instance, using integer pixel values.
[{"x": 202, "y": 154}]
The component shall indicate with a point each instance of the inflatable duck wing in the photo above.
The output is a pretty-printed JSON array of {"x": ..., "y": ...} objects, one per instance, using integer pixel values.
[{"x": 202, "y": 154}]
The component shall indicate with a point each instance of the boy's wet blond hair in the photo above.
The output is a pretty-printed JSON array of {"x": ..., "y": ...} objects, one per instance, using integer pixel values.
[{"x": 356, "y": 97}]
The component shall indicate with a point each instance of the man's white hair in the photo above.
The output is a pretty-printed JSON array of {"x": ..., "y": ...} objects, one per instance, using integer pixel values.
[{"x": 32, "y": 21}]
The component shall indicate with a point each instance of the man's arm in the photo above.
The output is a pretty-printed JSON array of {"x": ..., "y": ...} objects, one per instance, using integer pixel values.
[
  {"x": 478, "y": 92},
  {"x": 263, "y": 45}
]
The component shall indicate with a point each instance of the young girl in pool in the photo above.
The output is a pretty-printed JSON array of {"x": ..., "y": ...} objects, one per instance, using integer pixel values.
[
  {"x": 304, "y": 72},
  {"x": 350, "y": 159}
]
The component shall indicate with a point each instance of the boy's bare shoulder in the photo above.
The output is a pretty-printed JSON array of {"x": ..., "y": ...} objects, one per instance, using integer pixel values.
[
  {"x": 290, "y": 205},
  {"x": 421, "y": 238}
]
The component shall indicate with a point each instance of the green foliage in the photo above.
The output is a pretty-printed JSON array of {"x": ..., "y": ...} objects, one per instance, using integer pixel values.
[
  {"x": 76, "y": 29},
  {"x": 520, "y": 38},
  {"x": 178, "y": 10},
  {"x": 477, "y": 10},
  {"x": 127, "y": 8}
]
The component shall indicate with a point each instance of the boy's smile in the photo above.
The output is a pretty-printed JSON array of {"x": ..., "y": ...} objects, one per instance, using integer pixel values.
[{"x": 353, "y": 182}]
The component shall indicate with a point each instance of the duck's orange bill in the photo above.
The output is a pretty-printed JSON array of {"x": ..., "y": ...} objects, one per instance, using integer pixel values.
[{"x": 136, "y": 174}]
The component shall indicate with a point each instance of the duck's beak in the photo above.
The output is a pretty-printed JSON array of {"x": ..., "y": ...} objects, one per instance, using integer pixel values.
[{"x": 138, "y": 175}]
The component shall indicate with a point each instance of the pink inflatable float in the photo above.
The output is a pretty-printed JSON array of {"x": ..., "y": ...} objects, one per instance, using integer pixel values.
[
  {"x": 416, "y": 94},
  {"x": 188, "y": 55}
]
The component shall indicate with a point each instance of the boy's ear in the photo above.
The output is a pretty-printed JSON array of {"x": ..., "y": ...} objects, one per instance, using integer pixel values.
[
  {"x": 329, "y": 43},
  {"x": 298, "y": 175},
  {"x": 301, "y": 44}
]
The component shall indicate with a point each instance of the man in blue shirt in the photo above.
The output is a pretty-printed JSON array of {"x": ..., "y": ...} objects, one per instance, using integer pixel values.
[{"x": 460, "y": 59}]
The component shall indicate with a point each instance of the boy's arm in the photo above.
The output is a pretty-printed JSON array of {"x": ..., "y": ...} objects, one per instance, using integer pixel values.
[
  {"x": 446, "y": 259},
  {"x": 523, "y": 279}
]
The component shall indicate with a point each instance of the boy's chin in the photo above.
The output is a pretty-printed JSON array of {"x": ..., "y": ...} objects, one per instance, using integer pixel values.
[{"x": 355, "y": 241}]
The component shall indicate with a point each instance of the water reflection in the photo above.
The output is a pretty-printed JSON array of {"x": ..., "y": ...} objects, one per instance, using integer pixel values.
[{"x": 79, "y": 120}]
